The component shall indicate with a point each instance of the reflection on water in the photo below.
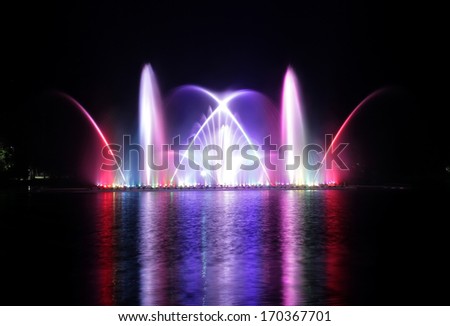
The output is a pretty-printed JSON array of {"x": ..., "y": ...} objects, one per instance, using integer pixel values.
[
  {"x": 107, "y": 245},
  {"x": 257, "y": 247}
]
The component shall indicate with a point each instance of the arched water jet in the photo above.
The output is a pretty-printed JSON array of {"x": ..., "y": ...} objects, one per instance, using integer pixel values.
[
  {"x": 228, "y": 132},
  {"x": 91, "y": 120},
  {"x": 330, "y": 174}
]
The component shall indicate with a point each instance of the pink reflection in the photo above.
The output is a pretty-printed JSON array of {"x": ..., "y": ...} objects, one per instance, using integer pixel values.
[
  {"x": 106, "y": 269},
  {"x": 336, "y": 250},
  {"x": 290, "y": 248}
]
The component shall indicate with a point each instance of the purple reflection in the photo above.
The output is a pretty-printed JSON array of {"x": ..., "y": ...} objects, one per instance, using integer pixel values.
[
  {"x": 255, "y": 247},
  {"x": 156, "y": 240},
  {"x": 200, "y": 258},
  {"x": 233, "y": 266}
]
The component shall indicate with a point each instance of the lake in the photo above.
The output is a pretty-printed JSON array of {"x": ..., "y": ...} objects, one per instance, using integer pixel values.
[{"x": 225, "y": 247}]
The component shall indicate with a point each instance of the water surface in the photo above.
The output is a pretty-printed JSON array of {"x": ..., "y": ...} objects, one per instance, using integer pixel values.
[{"x": 253, "y": 247}]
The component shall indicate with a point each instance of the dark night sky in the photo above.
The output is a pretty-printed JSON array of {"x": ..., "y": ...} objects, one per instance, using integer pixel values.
[{"x": 341, "y": 51}]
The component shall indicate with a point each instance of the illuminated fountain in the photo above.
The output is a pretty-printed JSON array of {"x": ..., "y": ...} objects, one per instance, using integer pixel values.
[
  {"x": 332, "y": 176},
  {"x": 292, "y": 128},
  {"x": 151, "y": 127},
  {"x": 220, "y": 127}
]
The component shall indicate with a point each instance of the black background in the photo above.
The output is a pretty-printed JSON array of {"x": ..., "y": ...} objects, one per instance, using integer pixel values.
[{"x": 342, "y": 51}]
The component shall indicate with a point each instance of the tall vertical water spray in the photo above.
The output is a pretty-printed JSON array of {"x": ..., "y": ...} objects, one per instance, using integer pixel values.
[
  {"x": 151, "y": 127},
  {"x": 236, "y": 158},
  {"x": 292, "y": 129}
]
